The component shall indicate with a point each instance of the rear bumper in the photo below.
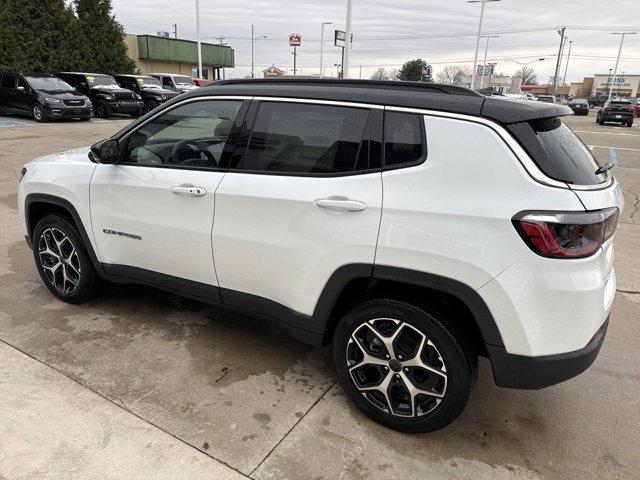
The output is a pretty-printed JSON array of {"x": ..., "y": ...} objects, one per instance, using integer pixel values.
[
  {"x": 613, "y": 117},
  {"x": 532, "y": 373}
]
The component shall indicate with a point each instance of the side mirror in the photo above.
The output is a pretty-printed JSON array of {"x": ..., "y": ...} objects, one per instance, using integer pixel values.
[
  {"x": 21, "y": 89},
  {"x": 106, "y": 152}
]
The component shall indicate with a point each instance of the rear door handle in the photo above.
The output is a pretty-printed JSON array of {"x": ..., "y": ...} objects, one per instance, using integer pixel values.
[
  {"x": 189, "y": 190},
  {"x": 341, "y": 204}
]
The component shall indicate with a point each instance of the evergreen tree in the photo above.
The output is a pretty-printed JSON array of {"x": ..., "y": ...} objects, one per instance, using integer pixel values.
[
  {"x": 411, "y": 71},
  {"x": 102, "y": 45}
]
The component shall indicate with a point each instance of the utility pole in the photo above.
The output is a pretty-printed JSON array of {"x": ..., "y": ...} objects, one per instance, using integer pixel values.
[
  {"x": 557, "y": 71},
  {"x": 346, "y": 55},
  {"x": 253, "y": 39},
  {"x": 322, "y": 46},
  {"x": 566, "y": 67},
  {"x": 615, "y": 70},
  {"x": 484, "y": 62},
  {"x": 175, "y": 30},
  {"x": 199, "y": 43},
  {"x": 360, "y": 75},
  {"x": 475, "y": 57},
  {"x": 295, "y": 56},
  {"x": 222, "y": 44}
]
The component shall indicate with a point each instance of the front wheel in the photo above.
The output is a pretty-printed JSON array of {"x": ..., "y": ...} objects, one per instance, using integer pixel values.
[
  {"x": 62, "y": 260},
  {"x": 402, "y": 366},
  {"x": 630, "y": 123},
  {"x": 38, "y": 113},
  {"x": 102, "y": 109}
]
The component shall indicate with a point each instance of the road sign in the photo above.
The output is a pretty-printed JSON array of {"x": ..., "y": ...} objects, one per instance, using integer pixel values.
[
  {"x": 295, "y": 40},
  {"x": 340, "y": 38}
]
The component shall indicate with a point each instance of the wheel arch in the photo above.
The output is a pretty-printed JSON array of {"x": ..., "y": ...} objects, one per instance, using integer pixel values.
[
  {"x": 351, "y": 284},
  {"x": 38, "y": 205}
]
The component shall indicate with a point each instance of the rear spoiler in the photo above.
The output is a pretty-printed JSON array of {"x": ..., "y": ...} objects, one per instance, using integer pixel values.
[{"x": 507, "y": 112}]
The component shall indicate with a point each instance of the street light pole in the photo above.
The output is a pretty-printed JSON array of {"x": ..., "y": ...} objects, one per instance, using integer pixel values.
[
  {"x": 484, "y": 62},
  {"x": 345, "y": 63},
  {"x": 475, "y": 57},
  {"x": 559, "y": 60},
  {"x": 322, "y": 45},
  {"x": 615, "y": 70},
  {"x": 198, "y": 34},
  {"x": 566, "y": 67},
  {"x": 253, "y": 39}
]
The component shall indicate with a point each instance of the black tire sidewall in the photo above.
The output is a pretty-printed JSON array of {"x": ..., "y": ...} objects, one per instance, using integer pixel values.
[
  {"x": 150, "y": 105},
  {"x": 88, "y": 276},
  {"x": 460, "y": 361},
  {"x": 106, "y": 111}
]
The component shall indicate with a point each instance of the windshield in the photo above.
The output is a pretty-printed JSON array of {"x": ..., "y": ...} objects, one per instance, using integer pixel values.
[
  {"x": 557, "y": 151},
  {"x": 183, "y": 80},
  {"x": 49, "y": 83},
  {"x": 148, "y": 82},
  {"x": 101, "y": 80}
]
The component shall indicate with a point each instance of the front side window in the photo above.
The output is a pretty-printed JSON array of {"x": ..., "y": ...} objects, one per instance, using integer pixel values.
[
  {"x": 404, "y": 142},
  {"x": 167, "y": 82},
  {"x": 300, "y": 138},
  {"x": 189, "y": 136}
]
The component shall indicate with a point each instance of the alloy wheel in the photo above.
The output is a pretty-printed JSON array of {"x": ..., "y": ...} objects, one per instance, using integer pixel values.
[
  {"x": 59, "y": 260},
  {"x": 396, "y": 367},
  {"x": 37, "y": 112}
]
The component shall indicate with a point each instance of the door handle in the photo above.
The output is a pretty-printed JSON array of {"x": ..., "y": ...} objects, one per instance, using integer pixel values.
[
  {"x": 341, "y": 204},
  {"x": 189, "y": 190}
]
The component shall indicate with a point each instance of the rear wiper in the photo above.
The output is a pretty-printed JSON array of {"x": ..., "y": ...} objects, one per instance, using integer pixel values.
[{"x": 605, "y": 168}]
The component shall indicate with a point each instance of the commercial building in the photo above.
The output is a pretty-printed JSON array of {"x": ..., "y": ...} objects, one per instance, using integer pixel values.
[
  {"x": 623, "y": 85},
  {"x": 499, "y": 83},
  {"x": 273, "y": 71},
  {"x": 170, "y": 55}
]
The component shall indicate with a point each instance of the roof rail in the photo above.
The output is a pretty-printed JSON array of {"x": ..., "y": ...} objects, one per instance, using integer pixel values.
[{"x": 378, "y": 84}]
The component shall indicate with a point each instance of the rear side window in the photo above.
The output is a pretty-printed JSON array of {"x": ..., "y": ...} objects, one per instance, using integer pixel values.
[
  {"x": 557, "y": 151},
  {"x": 8, "y": 81},
  {"x": 404, "y": 142},
  {"x": 300, "y": 138}
]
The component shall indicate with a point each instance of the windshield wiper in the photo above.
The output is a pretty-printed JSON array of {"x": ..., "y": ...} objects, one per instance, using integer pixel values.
[{"x": 605, "y": 168}]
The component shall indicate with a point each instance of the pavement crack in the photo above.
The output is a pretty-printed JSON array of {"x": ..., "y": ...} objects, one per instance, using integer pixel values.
[
  {"x": 629, "y": 292},
  {"x": 292, "y": 427},
  {"x": 636, "y": 204}
]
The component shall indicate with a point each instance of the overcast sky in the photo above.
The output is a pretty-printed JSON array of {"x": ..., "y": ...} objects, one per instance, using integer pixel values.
[{"x": 387, "y": 33}]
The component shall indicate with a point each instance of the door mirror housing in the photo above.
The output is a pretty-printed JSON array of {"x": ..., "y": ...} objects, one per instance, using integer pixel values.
[
  {"x": 21, "y": 89},
  {"x": 106, "y": 152}
]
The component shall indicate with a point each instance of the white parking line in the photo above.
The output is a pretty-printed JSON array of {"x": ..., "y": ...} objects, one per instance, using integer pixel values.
[
  {"x": 608, "y": 133},
  {"x": 618, "y": 148}
]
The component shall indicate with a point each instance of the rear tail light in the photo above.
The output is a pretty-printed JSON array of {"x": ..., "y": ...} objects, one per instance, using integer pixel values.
[{"x": 566, "y": 234}]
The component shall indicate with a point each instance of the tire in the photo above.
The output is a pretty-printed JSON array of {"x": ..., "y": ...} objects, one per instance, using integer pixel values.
[
  {"x": 137, "y": 113},
  {"x": 55, "y": 237},
  {"x": 601, "y": 121},
  {"x": 150, "y": 105},
  {"x": 630, "y": 123},
  {"x": 85, "y": 119},
  {"x": 448, "y": 351},
  {"x": 37, "y": 112},
  {"x": 102, "y": 109}
]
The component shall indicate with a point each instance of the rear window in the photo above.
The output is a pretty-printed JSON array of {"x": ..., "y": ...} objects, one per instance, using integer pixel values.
[{"x": 557, "y": 151}]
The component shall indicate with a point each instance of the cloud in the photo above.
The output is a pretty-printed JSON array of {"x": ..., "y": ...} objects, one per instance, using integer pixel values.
[{"x": 387, "y": 33}]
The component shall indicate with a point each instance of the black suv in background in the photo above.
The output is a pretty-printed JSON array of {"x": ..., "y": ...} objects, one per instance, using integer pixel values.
[
  {"x": 619, "y": 111},
  {"x": 43, "y": 97},
  {"x": 105, "y": 93},
  {"x": 580, "y": 106},
  {"x": 149, "y": 88}
]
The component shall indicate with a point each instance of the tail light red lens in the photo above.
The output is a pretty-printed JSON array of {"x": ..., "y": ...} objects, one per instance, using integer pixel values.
[{"x": 566, "y": 234}]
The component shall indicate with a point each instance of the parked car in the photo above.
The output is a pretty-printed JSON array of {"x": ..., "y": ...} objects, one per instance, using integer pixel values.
[
  {"x": 580, "y": 106},
  {"x": 148, "y": 88},
  {"x": 175, "y": 82},
  {"x": 105, "y": 94},
  {"x": 636, "y": 107},
  {"x": 456, "y": 262},
  {"x": 546, "y": 99},
  {"x": 201, "y": 82},
  {"x": 42, "y": 97},
  {"x": 617, "y": 111},
  {"x": 597, "y": 100}
]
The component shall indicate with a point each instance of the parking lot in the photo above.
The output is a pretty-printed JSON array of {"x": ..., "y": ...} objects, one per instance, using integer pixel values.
[{"x": 141, "y": 384}]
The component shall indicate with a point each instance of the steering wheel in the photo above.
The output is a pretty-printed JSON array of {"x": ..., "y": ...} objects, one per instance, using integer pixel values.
[{"x": 197, "y": 145}]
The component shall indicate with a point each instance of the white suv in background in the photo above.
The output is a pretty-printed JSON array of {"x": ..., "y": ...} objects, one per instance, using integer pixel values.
[{"x": 412, "y": 226}]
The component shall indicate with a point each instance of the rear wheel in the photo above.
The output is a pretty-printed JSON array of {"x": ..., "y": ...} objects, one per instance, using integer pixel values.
[
  {"x": 62, "y": 260},
  {"x": 402, "y": 366},
  {"x": 150, "y": 105},
  {"x": 601, "y": 122},
  {"x": 630, "y": 123}
]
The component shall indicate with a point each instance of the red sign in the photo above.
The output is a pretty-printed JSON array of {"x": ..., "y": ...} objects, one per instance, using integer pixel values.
[{"x": 295, "y": 40}]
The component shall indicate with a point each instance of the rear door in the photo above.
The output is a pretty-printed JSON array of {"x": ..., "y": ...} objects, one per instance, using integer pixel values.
[
  {"x": 305, "y": 200},
  {"x": 8, "y": 92},
  {"x": 153, "y": 212}
]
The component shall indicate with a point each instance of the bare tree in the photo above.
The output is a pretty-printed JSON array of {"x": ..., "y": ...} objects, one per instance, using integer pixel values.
[
  {"x": 380, "y": 74},
  {"x": 393, "y": 74},
  {"x": 452, "y": 74},
  {"x": 527, "y": 74}
]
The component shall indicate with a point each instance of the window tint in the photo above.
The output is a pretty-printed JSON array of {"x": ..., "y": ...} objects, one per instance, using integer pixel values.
[
  {"x": 306, "y": 139},
  {"x": 557, "y": 151},
  {"x": 23, "y": 83},
  {"x": 403, "y": 139},
  {"x": 166, "y": 81},
  {"x": 192, "y": 135},
  {"x": 8, "y": 81}
]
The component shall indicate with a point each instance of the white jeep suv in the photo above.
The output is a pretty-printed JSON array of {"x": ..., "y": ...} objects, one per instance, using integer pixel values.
[{"x": 412, "y": 226}]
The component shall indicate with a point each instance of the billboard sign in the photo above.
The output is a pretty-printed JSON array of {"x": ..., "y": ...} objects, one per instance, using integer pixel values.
[
  {"x": 295, "y": 40},
  {"x": 340, "y": 38}
]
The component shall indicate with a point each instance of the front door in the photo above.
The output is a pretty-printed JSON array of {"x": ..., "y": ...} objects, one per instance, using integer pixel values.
[
  {"x": 305, "y": 201},
  {"x": 153, "y": 212}
]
